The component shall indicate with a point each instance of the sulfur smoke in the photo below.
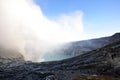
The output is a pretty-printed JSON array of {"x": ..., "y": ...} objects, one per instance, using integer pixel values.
[{"x": 25, "y": 28}]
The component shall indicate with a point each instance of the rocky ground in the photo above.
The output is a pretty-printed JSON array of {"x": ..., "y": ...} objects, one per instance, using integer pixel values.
[{"x": 98, "y": 64}]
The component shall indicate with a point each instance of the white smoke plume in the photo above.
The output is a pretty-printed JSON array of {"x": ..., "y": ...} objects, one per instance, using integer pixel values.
[{"x": 24, "y": 27}]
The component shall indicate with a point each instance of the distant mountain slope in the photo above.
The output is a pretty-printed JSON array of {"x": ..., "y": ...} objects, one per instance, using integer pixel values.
[
  {"x": 99, "y": 64},
  {"x": 79, "y": 47},
  {"x": 8, "y": 55}
]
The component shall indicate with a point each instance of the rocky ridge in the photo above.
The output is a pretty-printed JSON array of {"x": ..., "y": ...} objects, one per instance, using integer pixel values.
[
  {"x": 99, "y": 64},
  {"x": 80, "y": 47}
]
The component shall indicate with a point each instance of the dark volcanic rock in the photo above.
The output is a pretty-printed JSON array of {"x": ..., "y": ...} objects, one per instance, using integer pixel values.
[{"x": 99, "y": 64}]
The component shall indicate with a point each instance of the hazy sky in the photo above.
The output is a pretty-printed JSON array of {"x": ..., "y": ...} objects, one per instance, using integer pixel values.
[{"x": 100, "y": 17}]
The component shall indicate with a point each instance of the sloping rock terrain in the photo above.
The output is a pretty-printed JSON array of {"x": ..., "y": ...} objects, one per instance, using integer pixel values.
[
  {"x": 80, "y": 47},
  {"x": 98, "y": 64},
  {"x": 9, "y": 55}
]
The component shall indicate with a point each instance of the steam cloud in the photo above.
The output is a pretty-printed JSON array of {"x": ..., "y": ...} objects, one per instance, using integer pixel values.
[{"x": 25, "y": 28}]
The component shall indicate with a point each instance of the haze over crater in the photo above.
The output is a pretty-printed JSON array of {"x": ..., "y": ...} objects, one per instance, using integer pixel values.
[{"x": 25, "y": 28}]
